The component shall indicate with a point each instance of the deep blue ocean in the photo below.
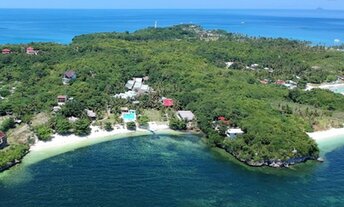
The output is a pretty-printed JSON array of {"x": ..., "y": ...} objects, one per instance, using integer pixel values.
[{"x": 23, "y": 26}]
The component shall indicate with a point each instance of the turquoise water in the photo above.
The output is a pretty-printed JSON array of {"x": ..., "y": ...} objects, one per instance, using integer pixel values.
[
  {"x": 30, "y": 25},
  {"x": 169, "y": 171},
  {"x": 129, "y": 117},
  {"x": 338, "y": 89}
]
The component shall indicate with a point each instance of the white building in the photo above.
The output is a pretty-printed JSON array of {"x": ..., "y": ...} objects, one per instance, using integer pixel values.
[
  {"x": 186, "y": 115},
  {"x": 91, "y": 114},
  {"x": 126, "y": 95},
  {"x": 234, "y": 132}
]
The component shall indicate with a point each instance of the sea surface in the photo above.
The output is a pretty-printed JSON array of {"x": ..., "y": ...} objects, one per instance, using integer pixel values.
[
  {"x": 29, "y": 25},
  {"x": 169, "y": 171}
]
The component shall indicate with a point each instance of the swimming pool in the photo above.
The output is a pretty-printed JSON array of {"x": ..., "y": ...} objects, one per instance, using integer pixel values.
[
  {"x": 129, "y": 116},
  {"x": 337, "y": 89}
]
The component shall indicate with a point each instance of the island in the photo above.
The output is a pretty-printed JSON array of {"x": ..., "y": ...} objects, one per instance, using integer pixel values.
[{"x": 247, "y": 95}]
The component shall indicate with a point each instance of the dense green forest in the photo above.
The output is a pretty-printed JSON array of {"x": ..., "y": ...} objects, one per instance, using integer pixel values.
[{"x": 187, "y": 64}]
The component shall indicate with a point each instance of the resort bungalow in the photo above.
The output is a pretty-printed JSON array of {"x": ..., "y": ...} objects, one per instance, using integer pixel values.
[
  {"x": 91, "y": 114},
  {"x": 31, "y": 51},
  {"x": 62, "y": 100},
  {"x": 6, "y": 51},
  {"x": 3, "y": 140},
  {"x": 186, "y": 115},
  {"x": 167, "y": 102},
  {"x": 189, "y": 117},
  {"x": 234, "y": 132},
  {"x": 128, "y": 115},
  {"x": 68, "y": 77}
]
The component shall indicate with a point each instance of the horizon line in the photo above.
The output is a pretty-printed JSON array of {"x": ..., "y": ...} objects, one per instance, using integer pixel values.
[{"x": 62, "y": 8}]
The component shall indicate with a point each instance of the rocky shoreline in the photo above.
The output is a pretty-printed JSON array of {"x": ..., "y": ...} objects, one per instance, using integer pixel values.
[
  {"x": 271, "y": 163},
  {"x": 13, "y": 163}
]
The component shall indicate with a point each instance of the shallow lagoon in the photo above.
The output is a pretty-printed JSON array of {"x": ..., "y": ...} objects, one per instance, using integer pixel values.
[{"x": 169, "y": 171}]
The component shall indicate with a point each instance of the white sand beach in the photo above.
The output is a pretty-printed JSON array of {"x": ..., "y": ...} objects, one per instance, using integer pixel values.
[
  {"x": 328, "y": 140},
  {"x": 62, "y": 144},
  {"x": 329, "y": 86},
  {"x": 328, "y": 134},
  {"x": 61, "y": 141}
]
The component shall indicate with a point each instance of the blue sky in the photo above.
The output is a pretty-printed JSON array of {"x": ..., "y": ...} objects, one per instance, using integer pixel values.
[{"x": 147, "y": 4}]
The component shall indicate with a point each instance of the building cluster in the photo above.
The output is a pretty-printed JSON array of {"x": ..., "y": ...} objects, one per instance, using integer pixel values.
[
  {"x": 288, "y": 84},
  {"x": 29, "y": 51},
  {"x": 231, "y": 132},
  {"x": 62, "y": 100},
  {"x": 135, "y": 88}
]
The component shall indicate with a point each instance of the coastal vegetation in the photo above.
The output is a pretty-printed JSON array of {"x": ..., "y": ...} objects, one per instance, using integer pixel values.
[{"x": 190, "y": 65}]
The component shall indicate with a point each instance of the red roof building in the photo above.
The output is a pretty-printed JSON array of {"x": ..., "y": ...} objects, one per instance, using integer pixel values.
[
  {"x": 6, "y": 51},
  {"x": 223, "y": 120},
  {"x": 168, "y": 102},
  {"x": 31, "y": 51},
  {"x": 69, "y": 74}
]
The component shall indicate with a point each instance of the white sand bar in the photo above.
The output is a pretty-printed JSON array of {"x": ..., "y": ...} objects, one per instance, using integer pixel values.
[{"x": 328, "y": 140}]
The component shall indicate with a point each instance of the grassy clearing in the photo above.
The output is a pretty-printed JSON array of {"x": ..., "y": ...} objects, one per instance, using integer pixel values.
[{"x": 153, "y": 115}]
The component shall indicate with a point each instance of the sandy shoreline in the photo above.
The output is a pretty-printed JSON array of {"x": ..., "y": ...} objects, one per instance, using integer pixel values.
[
  {"x": 326, "y": 140},
  {"x": 96, "y": 133},
  {"x": 328, "y": 86},
  {"x": 337, "y": 133},
  {"x": 62, "y": 144}
]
